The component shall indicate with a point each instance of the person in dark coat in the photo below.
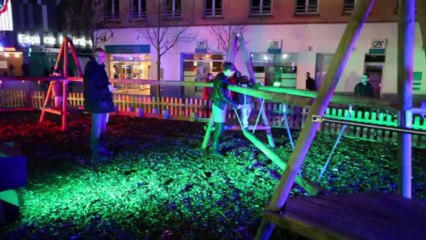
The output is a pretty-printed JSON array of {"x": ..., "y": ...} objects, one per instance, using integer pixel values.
[
  {"x": 310, "y": 82},
  {"x": 364, "y": 88},
  {"x": 98, "y": 101},
  {"x": 221, "y": 99}
]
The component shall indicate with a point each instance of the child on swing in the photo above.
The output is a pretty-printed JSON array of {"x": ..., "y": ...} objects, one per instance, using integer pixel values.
[{"x": 245, "y": 100}]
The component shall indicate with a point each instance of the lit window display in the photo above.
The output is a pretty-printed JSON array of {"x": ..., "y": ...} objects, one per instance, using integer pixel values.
[
  {"x": 130, "y": 66},
  {"x": 196, "y": 66},
  {"x": 275, "y": 69}
]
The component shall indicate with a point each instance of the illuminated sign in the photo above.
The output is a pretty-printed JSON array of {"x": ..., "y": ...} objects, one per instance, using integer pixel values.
[
  {"x": 274, "y": 46},
  {"x": 6, "y": 22},
  {"x": 26, "y": 40},
  {"x": 379, "y": 43}
]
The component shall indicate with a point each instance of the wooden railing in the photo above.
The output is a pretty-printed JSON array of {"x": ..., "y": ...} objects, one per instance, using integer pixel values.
[{"x": 194, "y": 109}]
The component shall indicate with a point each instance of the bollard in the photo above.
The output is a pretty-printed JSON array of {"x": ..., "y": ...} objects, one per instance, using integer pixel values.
[
  {"x": 194, "y": 116},
  {"x": 139, "y": 112},
  {"x": 166, "y": 114}
]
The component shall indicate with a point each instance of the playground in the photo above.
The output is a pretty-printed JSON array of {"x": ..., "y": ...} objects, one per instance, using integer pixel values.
[
  {"x": 163, "y": 182},
  {"x": 161, "y": 185}
]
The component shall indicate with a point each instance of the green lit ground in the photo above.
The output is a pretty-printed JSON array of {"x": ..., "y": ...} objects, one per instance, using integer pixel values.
[{"x": 160, "y": 185}]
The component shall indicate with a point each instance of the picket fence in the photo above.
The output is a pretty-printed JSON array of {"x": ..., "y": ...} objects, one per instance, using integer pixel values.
[{"x": 194, "y": 109}]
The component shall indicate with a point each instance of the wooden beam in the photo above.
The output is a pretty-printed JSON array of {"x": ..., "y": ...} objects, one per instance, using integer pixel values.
[
  {"x": 341, "y": 57},
  {"x": 406, "y": 40},
  {"x": 304, "y": 183},
  {"x": 337, "y": 99}
]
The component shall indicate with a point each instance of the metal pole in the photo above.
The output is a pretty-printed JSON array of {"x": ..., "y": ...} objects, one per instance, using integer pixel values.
[
  {"x": 341, "y": 57},
  {"x": 406, "y": 31},
  {"x": 395, "y": 129},
  {"x": 335, "y": 145},
  {"x": 287, "y": 126}
]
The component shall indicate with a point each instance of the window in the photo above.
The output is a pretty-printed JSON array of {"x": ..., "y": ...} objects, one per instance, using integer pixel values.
[
  {"x": 212, "y": 8},
  {"x": 348, "y": 6},
  {"x": 112, "y": 10},
  {"x": 275, "y": 69},
  {"x": 173, "y": 9},
  {"x": 261, "y": 7},
  {"x": 307, "y": 7},
  {"x": 138, "y": 9}
]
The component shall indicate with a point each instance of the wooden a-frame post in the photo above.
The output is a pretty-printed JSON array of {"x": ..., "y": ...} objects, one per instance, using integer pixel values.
[
  {"x": 234, "y": 40},
  {"x": 66, "y": 45},
  {"x": 406, "y": 39},
  {"x": 343, "y": 52},
  {"x": 238, "y": 38}
]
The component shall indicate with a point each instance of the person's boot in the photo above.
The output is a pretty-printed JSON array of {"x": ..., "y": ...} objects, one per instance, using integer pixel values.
[
  {"x": 103, "y": 150},
  {"x": 216, "y": 138}
]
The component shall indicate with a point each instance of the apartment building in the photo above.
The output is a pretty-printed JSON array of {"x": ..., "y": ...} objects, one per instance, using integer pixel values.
[{"x": 285, "y": 39}]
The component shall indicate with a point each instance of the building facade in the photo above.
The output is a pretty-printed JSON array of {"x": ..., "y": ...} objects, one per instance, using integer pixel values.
[
  {"x": 285, "y": 39},
  {"x": 37, "y": 35}
]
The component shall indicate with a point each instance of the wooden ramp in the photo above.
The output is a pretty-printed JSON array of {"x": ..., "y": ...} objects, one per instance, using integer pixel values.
[{"x": 354, "y": 216}]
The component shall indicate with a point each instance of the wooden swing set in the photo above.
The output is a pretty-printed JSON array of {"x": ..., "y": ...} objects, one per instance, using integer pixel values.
[
  {"x": 55, "y": 86},
  {"x": 353, "y": 216}
]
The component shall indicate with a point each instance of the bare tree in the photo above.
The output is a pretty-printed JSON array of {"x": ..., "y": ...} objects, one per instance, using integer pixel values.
[
  {"x": 159, "y": 33},
  {"x": 87, "y": 17},
  {"x": 223, "y": 34}
]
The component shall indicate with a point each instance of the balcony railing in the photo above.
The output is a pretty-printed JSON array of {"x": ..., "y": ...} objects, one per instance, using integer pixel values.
[
  {"x": 111, "y": 16},
  {"x": 217, "y": 12},
  {"x": 173, "y": 14},
  {"x": 264, "y": 10},
  {"x": 138, "y": 15},
  {"x": 348, "y": 7},
  {"x": 307, "y": 9}
]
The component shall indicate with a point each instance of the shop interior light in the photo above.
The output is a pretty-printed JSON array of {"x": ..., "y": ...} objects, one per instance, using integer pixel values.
[
  {"x": 265, "y": 57},
  {"x": 17, "y": 55},
  {"x": 6, "y": 54},
  {"x": 285, "y": 56}
]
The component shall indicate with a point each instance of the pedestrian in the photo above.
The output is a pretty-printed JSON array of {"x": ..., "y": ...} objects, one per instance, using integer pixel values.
[
  {"x": 364, "y": 88},
  {"x": 221, "y": 100},
  {"x": 207, "y": 91},
  {"x": 98, "y": 101},
  {"x": 310, "y": 82}
]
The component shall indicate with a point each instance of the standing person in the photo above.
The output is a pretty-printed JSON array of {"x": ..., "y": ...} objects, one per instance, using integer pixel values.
[
  {"x": 245, "y": 101},
  {"x": 98, "y": 101},
  {"x": 207, "y": 91},
  {"x": 310, "y": 82},
  {"x": 221, "y": 99},
  {"x": 364, "y": 88}
]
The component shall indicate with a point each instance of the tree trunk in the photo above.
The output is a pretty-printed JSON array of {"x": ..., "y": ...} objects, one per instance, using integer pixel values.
[{"x": 158, "y": 75}]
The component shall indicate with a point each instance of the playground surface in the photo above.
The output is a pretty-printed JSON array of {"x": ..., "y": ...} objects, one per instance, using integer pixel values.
[{"x": 161, "y": 185}]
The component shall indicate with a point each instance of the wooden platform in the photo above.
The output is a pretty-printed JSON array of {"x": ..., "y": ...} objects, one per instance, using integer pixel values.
[{"x": 354, "y": 216}]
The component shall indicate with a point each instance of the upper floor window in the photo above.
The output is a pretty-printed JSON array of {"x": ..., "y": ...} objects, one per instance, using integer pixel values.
[
  {"x": 261, "y": 7},
  {"x": 173, "y": 9},
  {"x": 307, "y": 7},
  {"x": 138, "y": 9},
  {"x": 212, "y": 8},
  {"x": 348, "y": 6},
  {"x": 112, "y": 10}
]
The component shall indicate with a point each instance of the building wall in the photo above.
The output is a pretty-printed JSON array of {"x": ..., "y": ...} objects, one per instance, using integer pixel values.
[
  {"x": 304, "y": 39},
  {"x": 238, "y": 12}
]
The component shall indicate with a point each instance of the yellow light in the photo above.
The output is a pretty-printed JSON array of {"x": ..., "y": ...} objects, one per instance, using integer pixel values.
[
  {"x": 6, "y": 54},
  {"x": 17, "y": 55}
]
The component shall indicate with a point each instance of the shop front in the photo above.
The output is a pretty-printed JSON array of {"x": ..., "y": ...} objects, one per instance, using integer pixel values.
[
  {"x": 196, "y": 66},
  {"x": 129, "y": 62}
]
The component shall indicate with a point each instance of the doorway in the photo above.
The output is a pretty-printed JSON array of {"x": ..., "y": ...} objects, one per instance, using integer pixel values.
[{"x": 373, "y": 66}]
